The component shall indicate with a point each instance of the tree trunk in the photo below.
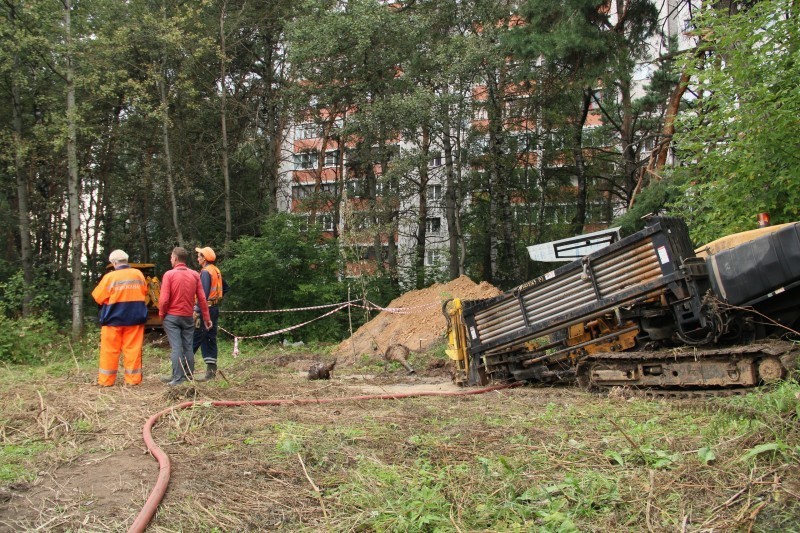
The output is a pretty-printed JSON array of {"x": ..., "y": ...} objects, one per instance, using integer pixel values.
[
  {"x": 629, "y": 153},
  {"x": 26, "y": 255},
  {"x": 390, "y": 222},
  {"x": 105, "y": 210},
  {"x": 162, "y": 87},
  {"x": 501, "y": 261},
  {"x": 422, "y": 216},
  {"x": 450, "y": 204},
  {"x": 378, "y": 209},
  {"x": 224, "y": 127},
  {"x": 459, "y": 197},
  {"x": 658, "y": 158},
  {"x": 580, "y": 165},
  {"x": 669, "y": 119},
  {"x": 491, "y": 231},
  {"x": 73, "y": 185},
  {"x": 143, "y": 211}
]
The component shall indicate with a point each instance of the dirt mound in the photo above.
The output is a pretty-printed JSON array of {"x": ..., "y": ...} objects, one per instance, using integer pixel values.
[{"x": 414, "y": 319}]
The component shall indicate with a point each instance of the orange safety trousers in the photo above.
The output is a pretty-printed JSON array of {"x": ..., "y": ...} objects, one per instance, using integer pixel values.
[{"x": 116, "y": 339}]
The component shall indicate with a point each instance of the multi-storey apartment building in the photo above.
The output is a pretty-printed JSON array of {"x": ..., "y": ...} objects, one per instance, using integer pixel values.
[{"x": 319, "y": 182}]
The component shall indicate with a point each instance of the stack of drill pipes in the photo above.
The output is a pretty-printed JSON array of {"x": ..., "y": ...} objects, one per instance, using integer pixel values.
[
  {"x": 635, "y": 277},
  {"x": 492, "y": 315},
  {"x": 612, "y": 279},
  {"x": 612, "y": 270},
  {"x": 550, "y": 303},
  {"x": 610, "y": 274},
  {"x": 547, "y": 300},
  {"x": 507, "y": 315},
  {"x": 619, "y": 261},
  {"x": 539, "y": 329},
  {"x": 500, "y": 323}
]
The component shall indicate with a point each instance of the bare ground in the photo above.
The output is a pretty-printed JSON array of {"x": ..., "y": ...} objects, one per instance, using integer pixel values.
[
  {"x": 99, "y": 474},
  {"x": 235, "y": 469}
]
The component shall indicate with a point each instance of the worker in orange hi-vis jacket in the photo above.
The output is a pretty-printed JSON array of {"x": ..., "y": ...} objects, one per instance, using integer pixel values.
[{"x": 121, "y": 294}]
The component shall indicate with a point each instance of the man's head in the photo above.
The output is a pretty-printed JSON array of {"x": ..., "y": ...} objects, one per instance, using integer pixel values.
[
  {"x": 118, "y": 257},
  {"x": 179, "y": 255},
  {"x": 206, "y": 253}
]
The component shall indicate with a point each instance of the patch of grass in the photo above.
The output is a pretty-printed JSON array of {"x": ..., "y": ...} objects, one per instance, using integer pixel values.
[
  {"x": 397, "y": 498},
  {"x": 17, "y": 461}
]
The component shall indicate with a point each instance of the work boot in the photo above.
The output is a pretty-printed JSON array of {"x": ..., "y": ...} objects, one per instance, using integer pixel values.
[
  {"x": 165, "y": 379},
  {"x": 211, "y": 373}
]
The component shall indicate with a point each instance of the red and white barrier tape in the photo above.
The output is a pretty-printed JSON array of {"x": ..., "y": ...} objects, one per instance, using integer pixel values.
[
  {"x": 401, "y": 310},
  {"x": 326, "y": 306},
  {"x": 277, "y": 332},
  {"x": 341, "y": 305}
]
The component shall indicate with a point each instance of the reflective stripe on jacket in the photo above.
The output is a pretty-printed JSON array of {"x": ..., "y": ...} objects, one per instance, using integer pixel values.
[{"x": 121, "y": 294}]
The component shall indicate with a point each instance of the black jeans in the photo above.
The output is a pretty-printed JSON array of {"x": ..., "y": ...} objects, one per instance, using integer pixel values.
[{"x": 206, "y": 339}]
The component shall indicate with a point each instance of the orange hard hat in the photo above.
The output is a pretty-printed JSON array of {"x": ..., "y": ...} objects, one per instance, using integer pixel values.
[{"x": 208, "y": 253}]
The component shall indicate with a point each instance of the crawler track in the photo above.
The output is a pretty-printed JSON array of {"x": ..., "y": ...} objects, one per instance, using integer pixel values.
[{"x": 689, "y": 372}]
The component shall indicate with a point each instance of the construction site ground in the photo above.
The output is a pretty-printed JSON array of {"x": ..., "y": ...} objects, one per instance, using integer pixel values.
[
  {"x": 618, "y": 463},
  {"x": 517, "y": 459}
]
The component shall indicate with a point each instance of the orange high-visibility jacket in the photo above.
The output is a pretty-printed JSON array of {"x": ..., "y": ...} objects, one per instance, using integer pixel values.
[
  {"x": 121, "y": 294},
  {"x": 214, "y": 290}
]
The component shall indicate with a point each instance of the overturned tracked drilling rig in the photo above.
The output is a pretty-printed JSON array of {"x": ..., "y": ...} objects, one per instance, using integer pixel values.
[{"x": 645, "y": 311}]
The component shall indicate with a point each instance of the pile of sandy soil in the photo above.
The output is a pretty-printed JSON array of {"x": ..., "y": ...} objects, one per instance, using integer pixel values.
[{"x": 414, "y": 319}]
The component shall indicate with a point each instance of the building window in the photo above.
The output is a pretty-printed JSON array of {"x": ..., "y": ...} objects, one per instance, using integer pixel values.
[
  {"x": 437, "y": 160},
  {"x": 300, "y": 192},
  {"x": 361, "y": 221},
  {"x": 433, "y": 225},
  {"x": 355, "y": 188},
  {"x": 432, "y": 257},
  {"x": 331, "y": 158},
  {"x": 596, "y": 100},
  {"x": 308, "y": 130},
  {"x": 304, "y": 160},
  {"x": 325, "y": 222},
  {"x": 434, "y": 193}
]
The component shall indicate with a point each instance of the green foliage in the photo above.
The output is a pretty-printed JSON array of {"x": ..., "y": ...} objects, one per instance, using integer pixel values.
[
  {"x": 781, "y": 400},
  {"x": 288, "y": 267},
  {"x": 652, "y": 200},
  {"x": 27, "y": 340},
  {"x": 741, "y": 134},
  {"x": 411, "y": 499},
  {"x": 772, "y": 449},
  {"x": 706, "y": 455},
  {"x": 49, "y": 294}
]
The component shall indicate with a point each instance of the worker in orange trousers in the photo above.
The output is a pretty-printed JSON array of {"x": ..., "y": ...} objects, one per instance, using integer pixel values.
[{"x": 123, "y": 313}]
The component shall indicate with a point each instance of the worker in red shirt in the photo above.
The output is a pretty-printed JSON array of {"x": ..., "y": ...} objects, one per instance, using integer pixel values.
[
  {"x": 121, "y": 295},
  {"x": 179, "y": 289}
]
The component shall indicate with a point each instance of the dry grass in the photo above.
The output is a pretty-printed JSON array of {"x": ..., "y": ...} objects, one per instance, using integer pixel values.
[{"x": 520, "y": 459}]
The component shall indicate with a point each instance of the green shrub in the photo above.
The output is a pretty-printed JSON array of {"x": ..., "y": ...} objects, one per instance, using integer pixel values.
[
  {"x": 27, "y": 340},
  {"x": 50, "y": 293}
]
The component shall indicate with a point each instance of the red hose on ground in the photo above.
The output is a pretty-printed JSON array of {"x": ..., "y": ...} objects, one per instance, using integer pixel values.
[{"x": 160, "y": 488}]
